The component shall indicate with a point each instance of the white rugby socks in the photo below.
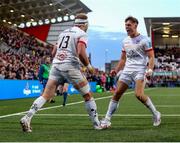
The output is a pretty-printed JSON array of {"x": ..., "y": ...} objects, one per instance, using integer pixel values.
[
  {"x": 38, "y": 103},
  {"x": 151, "y": 106},
  {"x": 113, "y": 105},
  {"x": 92, "y": 111}
]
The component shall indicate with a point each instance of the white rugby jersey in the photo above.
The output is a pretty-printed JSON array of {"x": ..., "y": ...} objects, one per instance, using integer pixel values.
[
  {"x": 135, "y": 49},
  {"x": 67, "y": 44}
]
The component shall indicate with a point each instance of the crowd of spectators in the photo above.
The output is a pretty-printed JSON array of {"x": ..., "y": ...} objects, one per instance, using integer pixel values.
[
  {"x": 167, "y": 66},
  {"x": 19, "y": 40},
  {"x": 105, "y": 80},
  {"x": 16, "y": 63},
  {"x": 167, "y": 58},
  {"x": 25, "y": 65},
  {"x": 19, "y": 66}
]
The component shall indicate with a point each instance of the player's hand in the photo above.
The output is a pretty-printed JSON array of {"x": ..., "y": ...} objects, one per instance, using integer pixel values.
[
  {"x": 84, "y": 69},
  {"x": 149, "y": 72},
  {"x": 113, "y": 72},
  {"x": 90, "y": 69},
  {"x": 118, "y": 75}
]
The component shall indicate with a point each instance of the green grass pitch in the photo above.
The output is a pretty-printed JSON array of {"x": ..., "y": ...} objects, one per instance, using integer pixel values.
[{"x": 132, "y": 122}]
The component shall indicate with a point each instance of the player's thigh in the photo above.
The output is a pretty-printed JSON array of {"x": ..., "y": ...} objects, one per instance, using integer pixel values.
[
  {"x": 139, "y": 87},
  {"x": 125, "y": 77},
  {"x": 139, "y": 83},
  {"x": 121, "y": 88},
  {"x": 79, "y": 81},
  {"x": 55, "y": 77},
  {"x": 50, "y": 89}
]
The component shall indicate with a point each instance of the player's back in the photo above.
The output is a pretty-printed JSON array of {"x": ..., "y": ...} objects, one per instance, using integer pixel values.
[{"x": 66, "y": 54}]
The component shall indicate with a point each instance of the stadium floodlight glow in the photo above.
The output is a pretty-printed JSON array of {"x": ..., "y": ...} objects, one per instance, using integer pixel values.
[
  {"x": 9, "y": 22},
  {"x": 66, "y": 18},
  {"x": 22, "y": 15},
  {"x": 72, "y": 17},
  {"x": 166, "y": 31},
  {"x": 15, "y": 25},
  {"x": 40, "y": 22},
  {"x": 50, "y": 4},
  {"x": 28, "y": 24},
  {"x": 32, "y": 19},
  {"x": 4, "y": 20},
  {"x": 165, "y": 36},
  {"x": 59, "y": 9},
  {"x": 174, "y": 36},
  {"x": 166, "y": 28},
  {"x": 12, "y": 10},
  {"x": 34, "y": 23},
  {"x": 53, "y": 20},
  {"x": 59, "y": 19},
  {"x": 47, "y": 21},
  {"x": 165, "y": 23},
  {"x": 22, "y": 25}
]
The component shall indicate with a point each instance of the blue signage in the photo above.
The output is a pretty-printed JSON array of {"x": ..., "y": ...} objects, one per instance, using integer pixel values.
[
  {"x": 12, "y": 89},
  {"x": 72, "y": 90}
]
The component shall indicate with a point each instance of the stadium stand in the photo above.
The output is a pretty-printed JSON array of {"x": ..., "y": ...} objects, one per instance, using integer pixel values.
[
  {"x": 20, "y": 54},
  {"x": 167, "y": 66}
]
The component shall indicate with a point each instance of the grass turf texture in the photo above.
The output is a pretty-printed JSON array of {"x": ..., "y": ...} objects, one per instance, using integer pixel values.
[{"x": 132, "y": 121}]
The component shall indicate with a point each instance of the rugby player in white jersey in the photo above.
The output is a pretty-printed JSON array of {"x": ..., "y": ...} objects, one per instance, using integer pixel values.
[
  {"x": 133, "y": 67},
  {"x": 71, "y": 50}
]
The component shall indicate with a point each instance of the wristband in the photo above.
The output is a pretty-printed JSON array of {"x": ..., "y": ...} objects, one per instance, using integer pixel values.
[{"x": 89, "y": 66}]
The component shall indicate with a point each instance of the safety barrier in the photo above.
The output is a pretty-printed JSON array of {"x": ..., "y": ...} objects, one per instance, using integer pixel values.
[{"x": 13, "y": 89}]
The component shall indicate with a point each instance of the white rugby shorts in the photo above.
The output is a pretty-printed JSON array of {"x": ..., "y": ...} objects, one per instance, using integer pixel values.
[
  {"x": 129, "y": 76},
  {"x": 73, "y": 75}
]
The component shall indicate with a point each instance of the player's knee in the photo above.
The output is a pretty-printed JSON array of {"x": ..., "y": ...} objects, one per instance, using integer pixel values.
[
  {"x": 87, "y": 96},
  {"x": 85, "y": 89},
  {"x": 49, "y": 91},
  {"x": 116, "y": 98},
  {"x": 140, "y": 96},
  {"x": 117, "y": 95}
]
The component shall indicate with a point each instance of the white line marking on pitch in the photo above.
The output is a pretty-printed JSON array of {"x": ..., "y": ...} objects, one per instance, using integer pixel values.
[
  {"x": 118, "y": 115},
  {"x": 15, "y": 114},
  {"x": 167, "y": 106}
]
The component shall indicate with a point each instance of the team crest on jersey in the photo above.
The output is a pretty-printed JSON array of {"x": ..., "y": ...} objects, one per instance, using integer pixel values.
[{"x": 61, "y": 56}]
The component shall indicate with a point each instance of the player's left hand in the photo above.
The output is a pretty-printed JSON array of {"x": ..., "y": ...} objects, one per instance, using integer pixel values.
[
  {"x": 149, "y": 72},
  {"x": 84, "y": 69},
  {"x": 90, "y": 69}
]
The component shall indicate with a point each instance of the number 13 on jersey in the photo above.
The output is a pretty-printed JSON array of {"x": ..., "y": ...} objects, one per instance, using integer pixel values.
[{"x": 64, "y": 42}]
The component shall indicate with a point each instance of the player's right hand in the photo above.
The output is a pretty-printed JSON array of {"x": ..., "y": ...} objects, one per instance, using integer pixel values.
[
  {"x": 113, "y": 72},
  {"x": 118, "y": 75}
]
